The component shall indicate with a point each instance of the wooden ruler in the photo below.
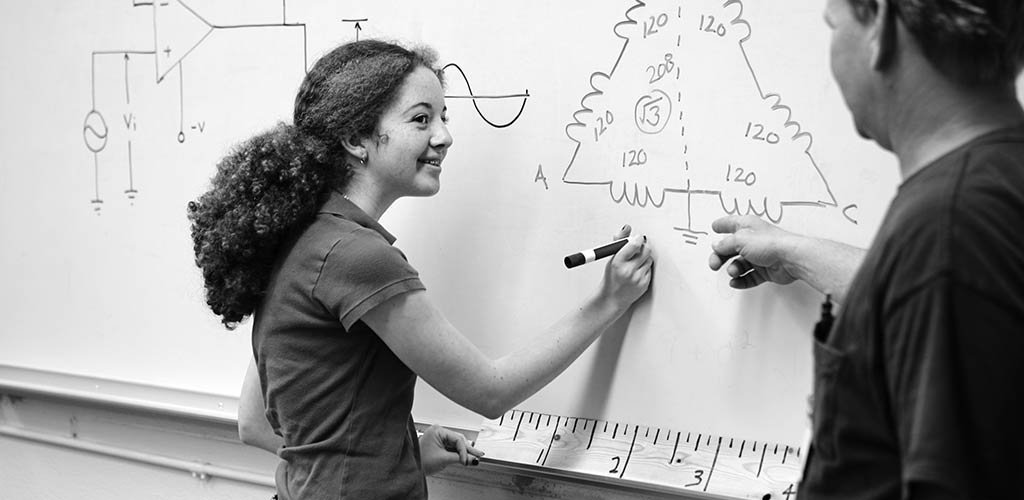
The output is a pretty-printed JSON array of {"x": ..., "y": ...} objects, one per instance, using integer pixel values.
[{"x": 691, "y": 463}]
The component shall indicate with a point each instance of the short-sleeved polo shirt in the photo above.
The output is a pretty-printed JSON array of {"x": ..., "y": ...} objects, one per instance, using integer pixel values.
[{"x": 337, "y": 394}]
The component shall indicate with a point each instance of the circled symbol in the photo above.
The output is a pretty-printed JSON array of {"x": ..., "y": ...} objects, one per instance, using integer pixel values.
[
  {"x": 94, "y": 130},
  {"x": 652, "y": 112}
]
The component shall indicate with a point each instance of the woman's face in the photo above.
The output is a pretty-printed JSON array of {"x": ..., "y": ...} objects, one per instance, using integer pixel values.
[{"x": 413, "y": 138}]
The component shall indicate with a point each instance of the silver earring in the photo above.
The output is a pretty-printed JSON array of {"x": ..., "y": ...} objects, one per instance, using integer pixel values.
[{"x": 362, "y": 160}]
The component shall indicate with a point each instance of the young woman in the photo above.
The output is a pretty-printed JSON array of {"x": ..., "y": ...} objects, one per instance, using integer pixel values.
[{"x": 342, "y": 323}]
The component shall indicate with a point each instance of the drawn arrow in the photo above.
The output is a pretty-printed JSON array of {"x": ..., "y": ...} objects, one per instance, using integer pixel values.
[
  {"x": 358, "y": 29},
  {"x": 127, "y": 96}
]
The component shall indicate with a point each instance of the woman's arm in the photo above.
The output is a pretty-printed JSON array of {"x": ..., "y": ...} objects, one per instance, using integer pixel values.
[
  {"x": 420, "y": 335},
  {"x": 253, "y": 428}
]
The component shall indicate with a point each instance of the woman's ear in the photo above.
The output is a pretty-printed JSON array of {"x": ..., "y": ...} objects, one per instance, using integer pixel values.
[{"x": 355, "y": 147}]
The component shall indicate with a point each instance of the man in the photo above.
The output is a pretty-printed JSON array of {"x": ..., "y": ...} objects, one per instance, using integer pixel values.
[{"x": 919, "y": 387}]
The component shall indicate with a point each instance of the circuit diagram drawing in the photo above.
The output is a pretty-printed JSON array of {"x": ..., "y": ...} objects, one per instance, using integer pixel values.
[
  {"x": 451, "y": 69},
  {"x": 178, "y": 31},
  {"x": 682, "y": 113}
]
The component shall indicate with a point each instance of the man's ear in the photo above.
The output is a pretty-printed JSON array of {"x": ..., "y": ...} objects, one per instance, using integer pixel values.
[
  {"x": 884, "y": 33},
  {"x": 354, "y": 146}
]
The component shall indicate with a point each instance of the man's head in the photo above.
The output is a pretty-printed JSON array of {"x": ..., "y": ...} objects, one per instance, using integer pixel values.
[{"x": 970, "y": 44}]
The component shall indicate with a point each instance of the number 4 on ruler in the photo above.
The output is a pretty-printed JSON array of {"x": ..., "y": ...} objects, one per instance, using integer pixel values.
[{"x": 647, "y": 457}]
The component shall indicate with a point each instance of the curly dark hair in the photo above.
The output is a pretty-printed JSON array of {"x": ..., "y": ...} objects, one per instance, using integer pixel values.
[
  {"x": 973, "y": 42},
  {"x": 270, "y": 186}
]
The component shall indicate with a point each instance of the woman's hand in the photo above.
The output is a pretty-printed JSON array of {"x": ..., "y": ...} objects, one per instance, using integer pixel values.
[
  {"x": 628, "y": 275},
  {"x": 440, "y": 447}
]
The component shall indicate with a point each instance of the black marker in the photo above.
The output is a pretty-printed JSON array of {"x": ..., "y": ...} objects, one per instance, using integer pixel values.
[{"x": 585, "y": 256}]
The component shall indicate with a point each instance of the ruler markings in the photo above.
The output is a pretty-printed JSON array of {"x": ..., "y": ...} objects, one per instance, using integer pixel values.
[
  {"x": 760, "y": 465},
  {"x": 630, "y": 454},
  {"x": 514, "y": 436},
  {"x": 713, "y": 462},
  {"x": 730, "y": 466},
  {"x": 554, "y": 434},
  {"x": 674, "y": 448}
]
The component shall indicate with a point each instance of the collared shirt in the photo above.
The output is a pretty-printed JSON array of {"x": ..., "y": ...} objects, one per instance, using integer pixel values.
[
  {"x": 337, "y": 394},
  {"x": 922, "y": 379}
]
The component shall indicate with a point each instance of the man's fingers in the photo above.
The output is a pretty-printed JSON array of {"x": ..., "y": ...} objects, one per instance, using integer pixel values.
[
  {"x": 733, "y": 223},
  {"x": 738, "y": 267},
  {"x": 748, "y": 280},
  {"x": 724, "y": 249},
  {"x": 727, "y": 224}
]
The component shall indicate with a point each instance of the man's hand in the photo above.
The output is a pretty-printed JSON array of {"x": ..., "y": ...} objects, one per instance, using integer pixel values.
[{"x": 760, "y": 251}]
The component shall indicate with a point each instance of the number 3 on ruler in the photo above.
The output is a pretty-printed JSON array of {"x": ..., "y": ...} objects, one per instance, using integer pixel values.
[{"x": 699, "y": 476}]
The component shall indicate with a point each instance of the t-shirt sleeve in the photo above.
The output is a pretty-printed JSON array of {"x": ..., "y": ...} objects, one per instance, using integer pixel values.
[
  {"x": 919, "y": 372},
  {"x": 951, "y": 356},
  {"x": 359, "y": 273}
]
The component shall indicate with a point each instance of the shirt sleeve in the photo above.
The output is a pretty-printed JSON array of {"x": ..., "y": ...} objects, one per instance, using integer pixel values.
[
  {"x": 361, "y": 272},
  {"x": 951, "y": 354}
]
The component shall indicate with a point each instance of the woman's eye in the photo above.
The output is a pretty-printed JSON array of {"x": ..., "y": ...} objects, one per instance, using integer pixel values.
[{"x": 421, "y": 119}]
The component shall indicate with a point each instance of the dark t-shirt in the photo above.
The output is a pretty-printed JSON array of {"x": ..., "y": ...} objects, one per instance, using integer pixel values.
[
  {"x": 336, "y": 393},
  {"x": 922, "y": 379}
]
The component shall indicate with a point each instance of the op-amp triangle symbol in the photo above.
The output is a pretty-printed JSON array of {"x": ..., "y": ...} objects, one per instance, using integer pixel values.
[{"x": 178, "y": 30}]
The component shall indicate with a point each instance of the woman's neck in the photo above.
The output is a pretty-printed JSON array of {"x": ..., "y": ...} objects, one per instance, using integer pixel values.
[{"x": 366, "y": 198}]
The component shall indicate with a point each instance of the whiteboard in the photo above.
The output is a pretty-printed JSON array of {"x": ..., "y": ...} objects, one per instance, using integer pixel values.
[{"x": 583, "y": 121}]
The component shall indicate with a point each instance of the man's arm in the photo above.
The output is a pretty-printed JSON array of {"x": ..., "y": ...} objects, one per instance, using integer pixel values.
[{"x": 761, "y": 252}]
